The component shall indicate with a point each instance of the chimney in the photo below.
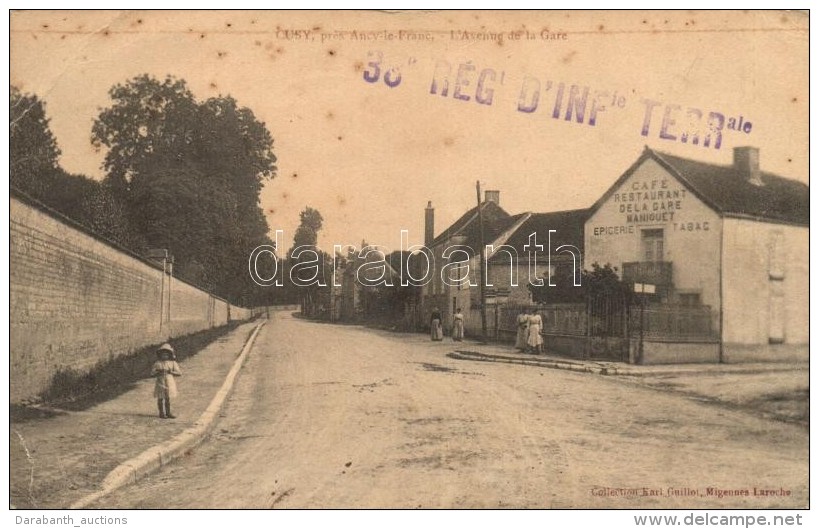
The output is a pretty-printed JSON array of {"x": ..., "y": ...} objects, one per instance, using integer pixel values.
[
  {"x": 429, "y": 225},
  {"x": 492, "y": 196},
  {"x": 746, "y": 162}
]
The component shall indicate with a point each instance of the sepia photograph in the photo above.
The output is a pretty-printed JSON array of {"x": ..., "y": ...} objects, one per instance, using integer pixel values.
[{"x": 436, "y": 260}]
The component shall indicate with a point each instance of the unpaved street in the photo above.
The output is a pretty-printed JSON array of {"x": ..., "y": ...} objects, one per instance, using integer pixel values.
[{"x": 339, "y": 416}]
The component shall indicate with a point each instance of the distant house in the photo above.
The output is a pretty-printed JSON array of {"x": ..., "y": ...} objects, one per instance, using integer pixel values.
[
  {"x": 717, "y": 257},
  {"x": 361, "y": 277},
  {"x": 732, "y": 239},
  {"x": 508, "y": 273},
  {"x": 405, "y": 300},
  {"x": 555, "y": 270}
]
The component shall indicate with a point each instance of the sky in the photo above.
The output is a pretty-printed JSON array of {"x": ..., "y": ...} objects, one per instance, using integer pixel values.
[{"x": 369, "y": 155}]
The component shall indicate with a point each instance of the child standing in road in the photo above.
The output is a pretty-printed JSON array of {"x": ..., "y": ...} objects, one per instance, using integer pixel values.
[{"x": 165, "y": 370}]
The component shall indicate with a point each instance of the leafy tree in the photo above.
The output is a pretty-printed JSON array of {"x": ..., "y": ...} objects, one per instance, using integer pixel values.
[
  {"x": 309, "y": 227},
  {"x": 236, "y": 147},
  {"x": 603, "y": 280},
  {"x": 100, "y": 210},
  {"x": 305, "y": 241},
  {"x": 148, "y": 127},
  {"x": 34, "y": 169},
  {"x": 33, "y": 150},
  {"x": 154, "y": 125},
  {"x": 189, "y": 174},
  {"x": 608, "y": 299}
]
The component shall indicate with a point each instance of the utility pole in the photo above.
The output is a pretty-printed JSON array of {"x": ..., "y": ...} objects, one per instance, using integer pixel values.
[
  {"x": 482, "y": 263},
  {"x": 161, "y": 254}
]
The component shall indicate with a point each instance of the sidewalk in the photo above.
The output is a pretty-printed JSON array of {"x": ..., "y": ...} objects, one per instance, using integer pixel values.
[
  {"x": 57, "y": 460},
  {"x": 778, "y": 391},
  {"x": 492, "y": 352}
]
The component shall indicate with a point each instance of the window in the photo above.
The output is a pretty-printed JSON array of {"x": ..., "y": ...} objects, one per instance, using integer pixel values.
[
  {"x": 776, "y": 313},
  {"x": 652, "y": 241},
  {"x": 776, "y": 255}
]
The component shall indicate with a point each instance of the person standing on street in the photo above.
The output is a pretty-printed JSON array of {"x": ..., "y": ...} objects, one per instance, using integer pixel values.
[
  {"x": 458, "y": 326},
  {"x": 522, "y": 337},
  {"x": 165, "y": 370},
  {"x": 535, "y": 340},
  {"x": 436, "y": 330}
]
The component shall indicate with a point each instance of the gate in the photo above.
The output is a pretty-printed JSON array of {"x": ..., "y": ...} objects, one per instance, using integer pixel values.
[
  {"x": 596, "y": 329},
  {"x": 609, "y": 329},
  {"x": 613, "y": 325}
]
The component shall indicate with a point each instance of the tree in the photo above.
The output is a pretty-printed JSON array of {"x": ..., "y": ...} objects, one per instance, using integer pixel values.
[
  {"x": 33, "y": 150},
  {"x": 148, "y": 127},
  {"x": 189, "y": 174},
  {"x": 603, "y": 280},
  {"x": 608, "y": 299},
  {"x": 313, "y": 267},
  {"x": 236, "y": 147},
  {"x": 34, "y": 169},
  {"x": 154, "y": 125},
  {"x": 100, "y": 210},
  {"x": 307, "y": 232}
]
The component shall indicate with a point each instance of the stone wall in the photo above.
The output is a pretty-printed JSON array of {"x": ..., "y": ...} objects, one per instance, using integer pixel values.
[{"x": 76, "y": 300}]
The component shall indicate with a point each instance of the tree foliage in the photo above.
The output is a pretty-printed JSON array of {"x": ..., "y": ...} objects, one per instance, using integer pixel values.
[
  {"x": 189, "y": 174},
  {"x": 33, "y": 150},
  {"x": 595, "y": 282},
  {"x": 301, "y": 267},
  {"x": 310, "y": 225},
  {"x": 157, "y": 125},
  {"x": 34, "y": 169},
  {"x": 603, "y": 280}
]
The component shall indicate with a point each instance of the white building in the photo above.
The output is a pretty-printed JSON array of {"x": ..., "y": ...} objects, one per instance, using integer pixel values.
[{"x": 732, "y": 238}]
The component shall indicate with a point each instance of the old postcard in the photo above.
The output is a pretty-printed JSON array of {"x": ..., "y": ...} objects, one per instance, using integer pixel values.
[{"x": 413, "y": 260}]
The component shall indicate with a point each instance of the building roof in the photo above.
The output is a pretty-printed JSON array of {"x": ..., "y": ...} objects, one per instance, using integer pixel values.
[
  {"x": 495, "y": 222},
  {"x": 567, "y": 224},
  {"x": 354, "y": 263},
  {"x": 397, "y": 259},
  {"x": 728, "y": 192},
  {"x": 779, "y": 198}
]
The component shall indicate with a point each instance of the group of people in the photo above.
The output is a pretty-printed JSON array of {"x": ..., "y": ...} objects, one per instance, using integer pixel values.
[
  {"x": 528, "y": 339},
  {"x": 436, "y": 327}
]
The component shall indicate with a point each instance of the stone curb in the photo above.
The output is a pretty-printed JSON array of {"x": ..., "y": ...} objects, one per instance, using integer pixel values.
[
  {"x": 612, "y": 369},
  {"x": 552, "y": 364},
  {"x": 152, "y": 459}
]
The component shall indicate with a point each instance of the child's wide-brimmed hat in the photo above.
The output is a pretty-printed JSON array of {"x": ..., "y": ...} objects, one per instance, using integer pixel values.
[{"x": 166, "y": 348}]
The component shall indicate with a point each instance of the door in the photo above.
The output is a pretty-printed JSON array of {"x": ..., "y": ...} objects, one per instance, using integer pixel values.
[{"x": 776, "y": 314}]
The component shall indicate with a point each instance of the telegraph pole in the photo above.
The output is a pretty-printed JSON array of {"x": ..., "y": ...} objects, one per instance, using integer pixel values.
[{"x": 482, "y": 263}]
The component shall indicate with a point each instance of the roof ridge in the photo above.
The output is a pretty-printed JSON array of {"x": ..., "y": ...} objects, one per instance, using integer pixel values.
[
  {"x": 664, "y": 155},
  {"x": 782, "y": 199},
  {"x": 574, "y": 210},
  {"x": 512, "y": 228},
  {"x": 472, "y": 213}
]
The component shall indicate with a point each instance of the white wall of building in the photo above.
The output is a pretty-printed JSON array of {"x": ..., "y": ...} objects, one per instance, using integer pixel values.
[
  {"x": 692, "y": 231},
  {"x": 765, "y": 283}
]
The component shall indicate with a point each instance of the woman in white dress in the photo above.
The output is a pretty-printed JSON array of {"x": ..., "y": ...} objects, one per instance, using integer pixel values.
[
  {"x": 523, "y": 331},
  {"x": 458, "y": 326},
  {"x": 535, "y": 340},
  {"x": 165, "y": 369}
]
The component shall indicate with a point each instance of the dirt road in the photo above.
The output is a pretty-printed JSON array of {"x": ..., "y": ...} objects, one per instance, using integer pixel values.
[{"x": 339, "y": 416}]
